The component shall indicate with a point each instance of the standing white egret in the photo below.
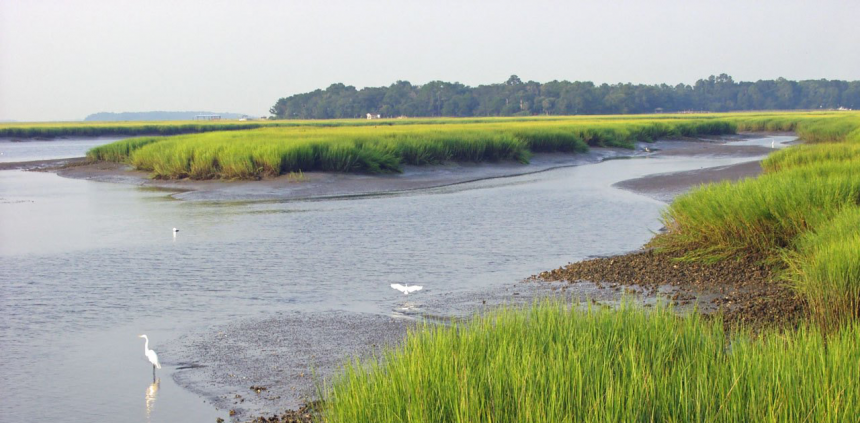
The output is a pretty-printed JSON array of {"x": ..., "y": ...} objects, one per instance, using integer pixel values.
[
  {"x": 773, "y": 144},
  {"x": 151, "y": 355},
  {"x": 406, "y": 289}
]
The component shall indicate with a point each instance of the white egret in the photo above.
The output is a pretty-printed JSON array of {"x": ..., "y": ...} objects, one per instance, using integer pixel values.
[
  {"x": 406, "y": 289},
  {"x": 151, "y": 355},
  {"x": 175, "y": 231},
  {"x": 773, "y": 144}
]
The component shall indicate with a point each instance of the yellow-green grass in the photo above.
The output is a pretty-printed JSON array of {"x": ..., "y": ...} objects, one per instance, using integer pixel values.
[
  {"x": 824, "y": 267},
  {"x": 801, "y": 215},
  {"x": 550, "y": 363},
  {"x": 759, "y": 216},
  {"x": 803, "y": 185},
  {"x": 265, "y": 152},
  {"x": 810, "y": 154},
  {"x": 749, "y": 121},
  {"x": 57, "y": 129},
  {"x": 88, "y": 129}
]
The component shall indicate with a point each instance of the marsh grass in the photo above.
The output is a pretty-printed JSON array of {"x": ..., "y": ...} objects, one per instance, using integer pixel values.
[
  {"x": 297, "y": 177},
  {"x": 758, "y": 216},
  {"x": 551, "y": 363},
  {"x": 119, "y": 151},
  {"x": 801, "y": 215},
  {"x": 810, "y": 154},
  {"x": 824, "y": 267},
  {"x": 267, "y": 152}
]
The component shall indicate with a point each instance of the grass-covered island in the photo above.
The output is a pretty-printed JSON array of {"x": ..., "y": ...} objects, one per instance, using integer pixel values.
[
  {"x": 550, "y": 362},
  {"x": 355, "y": 146}
]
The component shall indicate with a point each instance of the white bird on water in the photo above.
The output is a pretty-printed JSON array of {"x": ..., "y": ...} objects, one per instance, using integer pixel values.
[
  {"x": 406, "y": 289},
  {"x": 151, "y": 355},
  {"x": 773, "y": 144}
]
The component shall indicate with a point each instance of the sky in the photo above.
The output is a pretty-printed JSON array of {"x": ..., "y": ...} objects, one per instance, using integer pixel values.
[{"x": 63, "y": 60}]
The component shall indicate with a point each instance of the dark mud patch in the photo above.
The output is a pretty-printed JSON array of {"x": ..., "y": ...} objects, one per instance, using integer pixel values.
[
  {"x": 704, "y": 148},
  {"x": 307, "y": 413},
  {"x": 256, "y": 366},
  {"x": 667, "y": 186},
  {"x": 745, "y": 291},
  {"x": 44, "y": 165},
  {"x": 316, "y": 185}
]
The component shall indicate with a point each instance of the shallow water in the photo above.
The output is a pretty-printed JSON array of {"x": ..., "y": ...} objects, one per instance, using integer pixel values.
[
  {"x": 60, "y": 148},
  {"x": 87, "y": 267}
]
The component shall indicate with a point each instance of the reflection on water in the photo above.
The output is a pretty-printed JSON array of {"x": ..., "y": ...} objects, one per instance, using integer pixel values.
[
  {"x": 408, "y": 306},
  {"x": 151, "y": 394},
  {"x": 30, "y": 150}
]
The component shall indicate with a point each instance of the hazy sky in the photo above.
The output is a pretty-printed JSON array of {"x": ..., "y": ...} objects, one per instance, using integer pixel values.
[{"x": 62, "y": 60}]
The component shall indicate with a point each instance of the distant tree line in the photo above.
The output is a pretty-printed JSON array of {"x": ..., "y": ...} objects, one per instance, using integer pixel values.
[{"x": 517, "y": 98}]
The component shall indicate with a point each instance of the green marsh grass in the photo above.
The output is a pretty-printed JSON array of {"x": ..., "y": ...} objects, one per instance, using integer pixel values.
[
  {"x": 267, "y": 152},
  {"x": 551, "y": 363},
  {"x": 119, "y": 151},
  {"x": 800, "y": 215},
  {"x": 758, "y": 216},
  {"x": 810, "y": 154},
  {"x": 824, "y": 267}
]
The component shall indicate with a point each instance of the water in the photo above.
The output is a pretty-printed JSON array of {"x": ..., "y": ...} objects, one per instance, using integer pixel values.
[
  {"x": 87, "y": 267},
  {"x": 61, "y": 148}
]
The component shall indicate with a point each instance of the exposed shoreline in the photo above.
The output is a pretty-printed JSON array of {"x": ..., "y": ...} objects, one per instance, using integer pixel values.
[{"x": 745, "y": 290}]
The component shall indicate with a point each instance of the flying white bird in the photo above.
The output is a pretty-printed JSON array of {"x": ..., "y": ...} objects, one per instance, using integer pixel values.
[
  {"x": 151, "y": 355},
  {"x": 406, "y": 289}
]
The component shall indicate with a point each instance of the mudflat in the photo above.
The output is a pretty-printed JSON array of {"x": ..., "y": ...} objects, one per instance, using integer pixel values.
[{"x": 667, "y": 186}]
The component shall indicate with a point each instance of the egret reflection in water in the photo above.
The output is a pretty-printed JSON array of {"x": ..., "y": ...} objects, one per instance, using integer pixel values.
[
  {"x": 406, "y": 289},
  {"x": 151, "y": 394}
]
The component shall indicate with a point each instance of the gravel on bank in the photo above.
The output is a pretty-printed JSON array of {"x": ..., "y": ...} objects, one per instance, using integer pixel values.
[{"x": 744, "y": 290}]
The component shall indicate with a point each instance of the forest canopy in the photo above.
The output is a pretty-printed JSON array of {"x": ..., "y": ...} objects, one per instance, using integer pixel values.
[{"x": 517, "y": 98}]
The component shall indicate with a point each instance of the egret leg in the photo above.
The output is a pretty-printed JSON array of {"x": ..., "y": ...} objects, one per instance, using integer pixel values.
[{"x": 153, "y": 373}]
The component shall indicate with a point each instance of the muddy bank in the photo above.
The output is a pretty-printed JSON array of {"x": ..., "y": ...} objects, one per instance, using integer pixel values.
[
  {"x": 277, "y": 363},
  {"x": 744, "y": 290},
  {"x": 258, "y": 367},
  {"x": 44, "y": 165},
  {"x": 667, "y": 186},
  {"x": 329, "y": 184}
]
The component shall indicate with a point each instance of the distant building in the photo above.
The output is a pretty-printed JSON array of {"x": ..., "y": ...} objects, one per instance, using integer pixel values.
[
  {"x": 207, "y": 117},
  {"x": 371, "y": 116}
]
